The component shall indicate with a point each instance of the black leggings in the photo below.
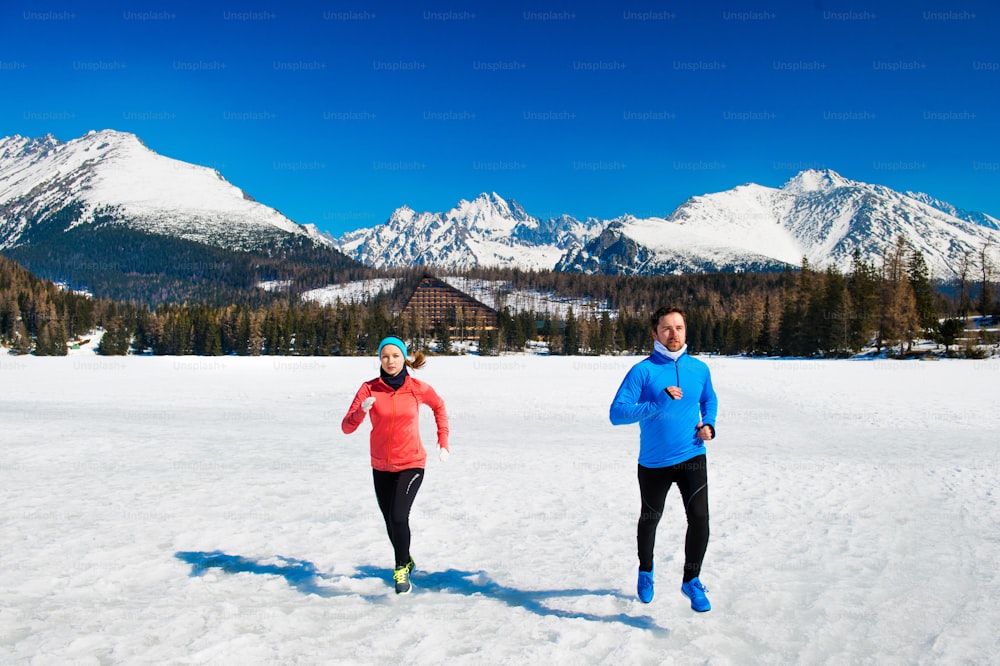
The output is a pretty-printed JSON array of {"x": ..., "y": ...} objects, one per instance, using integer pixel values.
[
  {"x": 691, "y": 477},
  {"x": 395, "y": 492}
]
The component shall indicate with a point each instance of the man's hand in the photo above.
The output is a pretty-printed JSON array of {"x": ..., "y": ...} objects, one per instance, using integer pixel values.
[
  {"x": 705, "y": 432},
  {"x": 674, "y": 392}
]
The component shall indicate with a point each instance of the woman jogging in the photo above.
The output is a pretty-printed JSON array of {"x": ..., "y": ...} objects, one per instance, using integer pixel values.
[{"x": 398, "y": 457}]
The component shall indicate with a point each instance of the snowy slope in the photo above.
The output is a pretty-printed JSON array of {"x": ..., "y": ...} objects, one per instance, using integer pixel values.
[
  {"x": 219, "y": 515},
  {"x": 832, "y": 217},
  {"x": 737, "y": 230},
  {"x": 113, "y": 173},
  {"x": 358, "y": 291},
  {"x": 496, "y": 294},
  {"x": 487, "y": 231},
  {"x": 981, "y": 219},
  {"x": 819, "y": 215}
]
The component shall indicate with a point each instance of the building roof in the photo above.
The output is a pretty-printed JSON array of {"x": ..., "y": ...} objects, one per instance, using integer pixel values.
[{"x": 433, "y": 298}]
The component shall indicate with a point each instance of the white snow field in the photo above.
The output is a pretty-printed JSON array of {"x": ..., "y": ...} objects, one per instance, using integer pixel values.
[{"x": 210, "y": 511}]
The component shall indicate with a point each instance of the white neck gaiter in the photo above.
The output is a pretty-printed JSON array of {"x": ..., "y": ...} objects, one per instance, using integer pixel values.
[{"x": 673, "y": 355}]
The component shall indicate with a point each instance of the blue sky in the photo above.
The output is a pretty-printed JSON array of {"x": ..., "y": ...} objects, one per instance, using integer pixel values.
[{"x": 336, "y": 113}]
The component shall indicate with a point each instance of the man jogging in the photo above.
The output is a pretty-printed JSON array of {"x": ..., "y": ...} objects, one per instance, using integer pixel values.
[{"x": 670, "y": 395}]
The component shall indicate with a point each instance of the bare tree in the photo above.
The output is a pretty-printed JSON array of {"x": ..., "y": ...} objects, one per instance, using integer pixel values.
[
  {"x": 899, "y": 321},
  {"x": 987, "y": 270},
  {"x": 964, "y": 266}
]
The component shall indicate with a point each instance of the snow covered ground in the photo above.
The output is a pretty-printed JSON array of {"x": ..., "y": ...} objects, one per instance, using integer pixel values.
[{"x": 201, "y": 510}]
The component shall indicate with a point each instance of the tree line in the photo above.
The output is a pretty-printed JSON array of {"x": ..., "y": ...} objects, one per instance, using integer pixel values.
[
  {"x": 38, "y": 317},
  {"x": 800, "y": 312},
  {"x": 886, "y": 305},
  {"x": 116, "y": 262}
]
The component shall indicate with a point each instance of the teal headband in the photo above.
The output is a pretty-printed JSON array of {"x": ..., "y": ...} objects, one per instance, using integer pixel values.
[{"x": 392, "y": 341}]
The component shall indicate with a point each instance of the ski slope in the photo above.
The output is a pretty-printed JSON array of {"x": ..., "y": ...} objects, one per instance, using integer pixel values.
[{"x": 210, "y": 511}]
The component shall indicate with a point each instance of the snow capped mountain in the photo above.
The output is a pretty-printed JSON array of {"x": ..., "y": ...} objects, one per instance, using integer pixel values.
[
  {"x": 815, "y": 180},
  {"x": 819, "y": 215},
  {"x": 110, "y": 176},
  {"x": 487, "y": 231}
]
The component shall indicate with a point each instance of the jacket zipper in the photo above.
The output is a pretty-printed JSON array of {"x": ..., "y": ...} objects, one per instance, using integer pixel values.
[
  {"x": 392, "y": 431},
  {"x": 392, "y": 426}
]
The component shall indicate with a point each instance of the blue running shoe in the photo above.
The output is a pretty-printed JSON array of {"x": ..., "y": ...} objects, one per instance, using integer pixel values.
[
  {"x": 644, "y": 588},
  {"x": 695, "y": 591}
]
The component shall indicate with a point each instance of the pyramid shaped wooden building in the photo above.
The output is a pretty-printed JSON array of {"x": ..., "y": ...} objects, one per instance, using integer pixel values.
[{"x": 435, "y": 303}]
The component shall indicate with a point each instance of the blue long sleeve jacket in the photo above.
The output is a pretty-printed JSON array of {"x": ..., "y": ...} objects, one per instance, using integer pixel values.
[{"x": 667, "y": 427}]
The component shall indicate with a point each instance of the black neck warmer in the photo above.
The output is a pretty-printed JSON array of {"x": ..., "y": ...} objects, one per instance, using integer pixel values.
[{"x": 394, "y": 381}]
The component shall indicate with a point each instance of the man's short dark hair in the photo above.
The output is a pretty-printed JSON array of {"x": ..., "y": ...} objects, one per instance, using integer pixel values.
[{"x": 663, "y": 311}]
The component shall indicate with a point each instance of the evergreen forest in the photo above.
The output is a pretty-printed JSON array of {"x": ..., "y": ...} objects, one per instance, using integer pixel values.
[{"x": 801, "y": 312}]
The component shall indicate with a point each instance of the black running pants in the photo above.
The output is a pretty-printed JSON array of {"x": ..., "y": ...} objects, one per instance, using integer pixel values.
[
  {"x": 691, "y": 477},
  {"x": 395, "y": 492}
]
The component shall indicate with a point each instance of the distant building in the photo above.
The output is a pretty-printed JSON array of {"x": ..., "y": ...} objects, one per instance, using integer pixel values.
[{"x": 435, "y": 303}]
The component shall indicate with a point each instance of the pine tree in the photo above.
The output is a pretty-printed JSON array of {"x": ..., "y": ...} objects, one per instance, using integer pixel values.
[
  {"x": 863, "y": 302},
  {"x": 923, "y": 295},
  {"x": 949, "y": 331},
  {"x": 763, "y": 344},
  {"x": 838, "y": 315},
  {"x": 526, "y": 328},
  {"x": 571, "y": 335},
  {"x": 117, "y": 338},
  {"x": 506, "y": 329},
  {"x": 605, "y": 334},
  {"x": 443, "y": 337},
  {"x": 256, "y": 336},
  {"x": 181, "y": 332},
  {"x": 733, "y": 338},
  {"x": 792, "y": 327},
  {"x": 58, "y": 340},
  {"x": 43, "y": 342},
  {"x": 550, "y": 333},
  {"x": 22, "y": 339},
  {"x": 488, "y": 342},
  {"x": 10, "y": 316}
]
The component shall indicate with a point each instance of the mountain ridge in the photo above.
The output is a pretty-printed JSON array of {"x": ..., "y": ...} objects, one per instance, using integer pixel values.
[
  {"x": 114, "y": 176},
  {"x": 106, "y": 214},
  {"x": 108, "y": 178},
  {"x": 486, "y": 231},
  {"x": 818, "y": 215}
]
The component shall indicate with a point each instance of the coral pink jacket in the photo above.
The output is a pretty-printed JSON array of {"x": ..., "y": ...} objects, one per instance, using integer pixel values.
[{"x": 395, "y": 437}]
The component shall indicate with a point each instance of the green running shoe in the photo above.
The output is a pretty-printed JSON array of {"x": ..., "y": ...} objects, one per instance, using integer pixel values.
[{"x": 402, "y": 577}]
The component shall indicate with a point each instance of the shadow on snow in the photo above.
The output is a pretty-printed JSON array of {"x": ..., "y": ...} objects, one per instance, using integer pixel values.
[{"x": 307, "y": 579}]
